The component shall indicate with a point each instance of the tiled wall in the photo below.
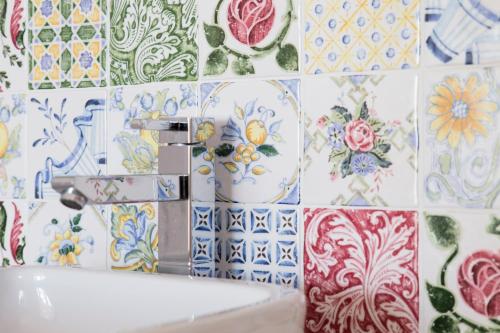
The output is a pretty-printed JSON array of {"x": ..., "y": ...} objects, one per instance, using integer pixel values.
[{"x": 357, "y": 146}]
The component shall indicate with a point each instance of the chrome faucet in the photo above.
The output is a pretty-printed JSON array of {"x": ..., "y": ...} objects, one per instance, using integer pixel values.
[{"x": 175, "y": 188}]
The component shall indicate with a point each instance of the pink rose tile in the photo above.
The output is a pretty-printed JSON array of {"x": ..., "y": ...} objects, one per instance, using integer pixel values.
[
  {"x": 361, "y": 270},
  {"x": 461, "y": 283},
  {"x": 360, "y": 140},
  {"x": 246, "y": 37}
]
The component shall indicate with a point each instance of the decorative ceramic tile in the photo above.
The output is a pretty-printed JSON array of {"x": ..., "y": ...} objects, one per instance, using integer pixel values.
[
  {"x": 13, "y": 74},
  {"x": 361, "y": 271},
  {"x": 203, "y": 239},
  {"x": 360, "y": 140},
  {"x": 257, "y": 139},
  {"x": 67, "y": 43},
  {"x": 461, "y": 138},
  {"x": 59, "y": 236},
  {"x": 133, "y": 237},
  {"x": 66, "y": 135},
  {"x": 153, "y": 41},
  {"x": 360, "y": 35},
  {"x": 245, "y": 37},
  {"x": 462, "y": 289},
  {"x": 461, "y": 32},
  {"x": 136, "y": 151},
  {"x": 12, "y": 146},
  {"x": 12, "y": 232},
  {"x": 258, "y": 243}
]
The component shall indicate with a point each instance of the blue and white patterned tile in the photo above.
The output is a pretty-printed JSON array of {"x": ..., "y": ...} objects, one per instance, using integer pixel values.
[
  {"x": 66, "y": 136},
  {"x": 136, "y": 151},
  {"x": 264, "y": 247},
  {"x": 13, "y": 148},
  {"x": 460, "y": 32},
  {"x": 256, "y": 139},
  {"x": 204, "y": 242},
  {"x": 133, "y": 237},
  {"x": 59, "y": 236},
  {"x": 460, "y": 130}
]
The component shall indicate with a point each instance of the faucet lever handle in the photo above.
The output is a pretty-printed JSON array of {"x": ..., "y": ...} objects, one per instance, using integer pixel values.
[{"x": 174, "y": 124}]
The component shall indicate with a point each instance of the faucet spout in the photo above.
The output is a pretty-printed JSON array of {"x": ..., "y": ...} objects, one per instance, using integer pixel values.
[{"x": 78, "y": 191}]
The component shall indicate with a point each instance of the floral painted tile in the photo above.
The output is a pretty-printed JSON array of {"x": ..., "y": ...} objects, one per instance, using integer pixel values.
[
  {"x": 13, "y": 148},
  {"x": 361, "y": 270},
  {"x": 360, "y": 141},
  {"x": 249, "y": 37},
  {"x": 67, "y": 43},
  {"x": 258, "y": 243},
  {"x": 360, "y": 35},
  {"x": 12, "y": 233},
  {"x": 13, "y": 75},
  {"x": 460, "y": 273},
  {"x": 136, "y": 151},
  {"x": 256, "y": 138},
  {"x": 153, "y": 41},
  {"x": 66, "y": 136},
  {"x": 59, "y": 236},
  {"x": 461, "y": 138},
  {"x": 460, "y": 32},
  {"x": 133, "y": 237}
]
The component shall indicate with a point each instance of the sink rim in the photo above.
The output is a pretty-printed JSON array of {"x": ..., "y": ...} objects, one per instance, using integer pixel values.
[{"x": 276, "y": 293}]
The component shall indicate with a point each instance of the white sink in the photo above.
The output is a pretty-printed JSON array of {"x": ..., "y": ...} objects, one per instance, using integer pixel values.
[{"x": 54, "y": 300}]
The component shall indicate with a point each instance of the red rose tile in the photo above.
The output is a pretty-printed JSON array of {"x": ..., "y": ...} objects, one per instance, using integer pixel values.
[{"x": 361, "y": 271}]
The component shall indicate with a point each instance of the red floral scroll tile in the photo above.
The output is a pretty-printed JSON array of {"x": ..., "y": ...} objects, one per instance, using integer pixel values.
[{"x": 361, "y": 271}]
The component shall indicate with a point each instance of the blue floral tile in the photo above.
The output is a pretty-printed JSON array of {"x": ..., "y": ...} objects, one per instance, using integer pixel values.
[
  {"x": 66, "y": 136},
  {"x": 136, "y": 151},
  {"x": 13, "y": 148},
  {"x": 360, "y": 140},
  {"x": 460, "y": 32},
  {"x": 133, "y": 237},
  {"x": 268, "y": 250},
  {"x": 256, "y": 139}
]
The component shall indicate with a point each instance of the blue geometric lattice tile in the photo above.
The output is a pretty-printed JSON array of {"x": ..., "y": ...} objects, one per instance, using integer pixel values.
[
  {"x": 203, "y": 219},
  {"x": 286, "y": 253},
  {"x": 236, "y": 274},
  {"x": 236, "y": 220},
  {"x": 261, "y": 276},
  {"x": 236, "y": 251},
  {"x": 202, "y": 249},
  {"x": 218, "y": 220},
  {"x": 260, "y": 220},
  {"x": 287, "y": 279},
  {"x": 286, "y": 222},
  {"x": 261, "y": 252}
]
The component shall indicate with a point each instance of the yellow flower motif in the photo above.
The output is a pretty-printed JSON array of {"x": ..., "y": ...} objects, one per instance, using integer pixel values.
[
  {"x": 246, "y": 154},
  {"x": 209, "y": 155},
  {"x": 4, "y": 139},
  {"x": 461, "y": 110},
  {"x": 65, "y": 248},
  {"x": 205, "y": 131}
]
